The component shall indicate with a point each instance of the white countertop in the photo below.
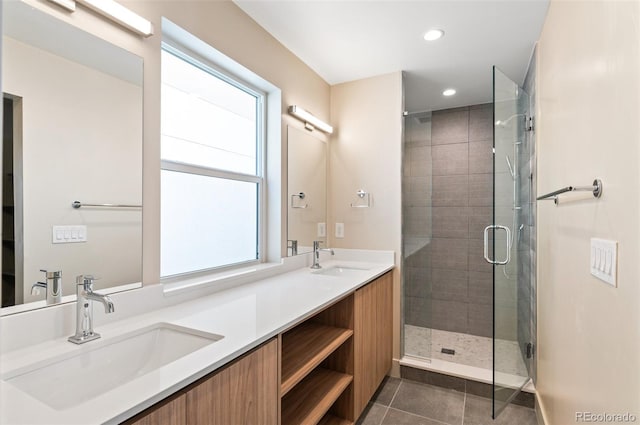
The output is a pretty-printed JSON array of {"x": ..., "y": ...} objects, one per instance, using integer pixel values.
[{"x": 245, "y": 315}]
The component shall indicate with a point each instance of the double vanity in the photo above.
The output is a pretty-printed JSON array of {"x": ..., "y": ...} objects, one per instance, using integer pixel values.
[{"x": 295, "y": 345}]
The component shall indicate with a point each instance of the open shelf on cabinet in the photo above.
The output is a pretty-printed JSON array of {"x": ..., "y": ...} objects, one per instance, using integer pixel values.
[
  {"x": 305, "y": 347},
  {"x": 308, "y": 401},
  {"x": 329, "y": 419}
]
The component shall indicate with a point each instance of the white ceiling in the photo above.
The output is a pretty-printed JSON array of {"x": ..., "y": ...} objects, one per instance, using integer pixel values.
[{"x": 349, "y": 40}]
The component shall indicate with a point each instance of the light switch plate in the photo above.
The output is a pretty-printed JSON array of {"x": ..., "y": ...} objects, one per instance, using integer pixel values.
[
  {"x": 340, "y": 230},
  {"x": 68, "y": 234},
  {"x": 322, "y": 230},
  {"x": 604, "y": 260}
]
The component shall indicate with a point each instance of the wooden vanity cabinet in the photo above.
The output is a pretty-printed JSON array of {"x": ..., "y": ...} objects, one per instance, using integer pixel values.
[
  {"x": 333, "y": 363},
  {"x": 172, "y": 411},
  {"x": 317, "y": 368},
  {"x": 373, "y": 338},
  {"x": 244, "y": 392},
  {"x": 322, "y": 371}
]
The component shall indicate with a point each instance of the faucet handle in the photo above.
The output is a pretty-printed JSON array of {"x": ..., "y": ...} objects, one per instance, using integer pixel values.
[
  {"x": 51, "y": 274},
  {"x": 86, "y": 280}
]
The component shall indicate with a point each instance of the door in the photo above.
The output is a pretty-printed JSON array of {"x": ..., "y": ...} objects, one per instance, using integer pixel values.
[{"x": 503, "y": 239}]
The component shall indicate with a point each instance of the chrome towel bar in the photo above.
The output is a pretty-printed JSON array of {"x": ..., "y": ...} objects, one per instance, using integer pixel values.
[
  {"x": 595, "y": 188},
  {"x": 78, "y": 204}
]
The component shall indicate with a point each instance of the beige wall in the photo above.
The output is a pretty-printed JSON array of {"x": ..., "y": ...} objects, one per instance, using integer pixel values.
[
  {"x": 93, "y": 154},
  {"x": 365, "y": 153},
  {"x": 588, "y": 127},
  {"x": 228, "y": 29}
]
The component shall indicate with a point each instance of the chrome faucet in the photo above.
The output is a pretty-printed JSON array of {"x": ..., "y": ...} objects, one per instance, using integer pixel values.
[
  {"x": 84, "y": 309},
  {"x": 293, "y": 245},
  {"x": 52, "y": 286},
  {"x": 316, "y": 254}
]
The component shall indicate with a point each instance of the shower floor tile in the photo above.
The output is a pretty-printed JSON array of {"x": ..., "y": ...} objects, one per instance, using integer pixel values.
[{"x": 470, "y": 350}]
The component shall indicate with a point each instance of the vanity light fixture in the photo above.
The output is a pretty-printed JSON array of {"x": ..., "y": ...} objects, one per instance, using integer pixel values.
[
  {"x": 433, "y": 34},
  {"x": 310, "y": 121},
  {"x": 70, "y": 5},
  {"x": 449, "y": 92},
  {"x": 120, "y": 14}
]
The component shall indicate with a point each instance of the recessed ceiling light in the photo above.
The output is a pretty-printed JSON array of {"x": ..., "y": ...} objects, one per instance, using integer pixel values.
[
  {"x": 449, "y": 92},
  {"x": 432, "y": 35}
]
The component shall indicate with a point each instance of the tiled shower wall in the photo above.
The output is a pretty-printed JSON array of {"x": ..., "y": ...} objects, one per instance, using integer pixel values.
[
  {"x": 448, "y": 284},
  {"x": 417, "y": 219}
]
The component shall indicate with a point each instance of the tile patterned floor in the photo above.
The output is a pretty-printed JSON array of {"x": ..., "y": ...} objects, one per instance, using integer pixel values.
[
  {"x": 404, "y": 402},
  {"x": 470, "y": 350}
]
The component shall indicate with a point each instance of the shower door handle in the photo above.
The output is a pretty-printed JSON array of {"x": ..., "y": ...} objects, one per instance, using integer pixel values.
[{"x": 496, "y": 227}]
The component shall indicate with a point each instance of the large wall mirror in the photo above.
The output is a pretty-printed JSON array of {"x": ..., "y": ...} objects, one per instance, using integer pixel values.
[
  {"x": 307, "y": 191},
  {"x": 72, "y": 131}
]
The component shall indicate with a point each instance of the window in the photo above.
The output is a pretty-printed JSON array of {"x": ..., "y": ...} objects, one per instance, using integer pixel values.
[{"x": 212, "y": 179}]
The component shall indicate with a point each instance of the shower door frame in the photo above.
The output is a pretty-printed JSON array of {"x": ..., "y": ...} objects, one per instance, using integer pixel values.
[{"x": 512, "y": 123}]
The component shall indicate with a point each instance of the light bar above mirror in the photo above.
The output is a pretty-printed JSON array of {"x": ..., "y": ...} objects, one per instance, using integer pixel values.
[
  {"x": 311, "y": 122},
  {"x": 114, "y": 11}
]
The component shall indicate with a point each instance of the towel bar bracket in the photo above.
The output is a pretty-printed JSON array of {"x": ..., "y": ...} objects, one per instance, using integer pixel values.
[{"x": 595, "y": 188}]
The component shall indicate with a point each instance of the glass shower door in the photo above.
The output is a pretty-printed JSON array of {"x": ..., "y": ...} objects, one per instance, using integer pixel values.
[
  {"x": 511, "y": 118},
  {"x": 416, "y": 235}
]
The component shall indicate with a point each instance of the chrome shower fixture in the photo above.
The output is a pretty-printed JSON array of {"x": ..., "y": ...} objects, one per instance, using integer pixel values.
[{"x": 511, "y": 170}]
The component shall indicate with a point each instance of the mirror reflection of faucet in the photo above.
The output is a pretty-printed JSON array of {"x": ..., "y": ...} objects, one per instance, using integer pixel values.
[
  {"x": 52, "y": 286},
  {"x": 292, "y": 244},
  {"x": 316, "y": 254},
  {"x": 84, "y": 309}
]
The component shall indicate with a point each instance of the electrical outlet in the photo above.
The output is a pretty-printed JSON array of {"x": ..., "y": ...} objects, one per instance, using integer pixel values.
[
  {"x": 322, "y": 230},
  {"x": 340, "y": 230}
]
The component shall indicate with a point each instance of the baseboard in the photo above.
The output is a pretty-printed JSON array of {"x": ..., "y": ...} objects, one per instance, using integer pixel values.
[
  {"x": 540, "y": 411},
  {"x": 395, "y": 368}
]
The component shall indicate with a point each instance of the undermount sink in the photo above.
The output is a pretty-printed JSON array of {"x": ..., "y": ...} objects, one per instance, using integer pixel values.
[
  {"x": 340, "y": 270},
  {"x": 77, "y": 378}
]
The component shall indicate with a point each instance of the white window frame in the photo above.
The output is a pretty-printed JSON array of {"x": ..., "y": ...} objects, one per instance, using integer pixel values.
[{"x": 261, "y": 158}]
